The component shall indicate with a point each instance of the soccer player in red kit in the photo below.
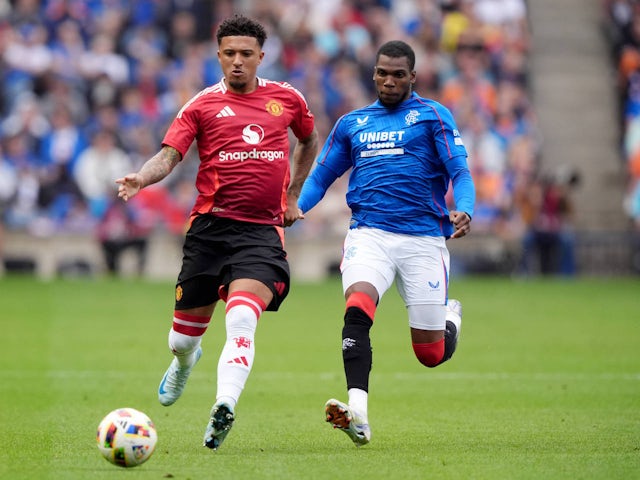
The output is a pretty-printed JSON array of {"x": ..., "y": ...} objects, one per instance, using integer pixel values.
[{"x": 247, "y": 193}]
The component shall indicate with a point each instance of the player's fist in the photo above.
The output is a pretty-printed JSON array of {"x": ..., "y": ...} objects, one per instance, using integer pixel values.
[{"x": 461, "y": 223}]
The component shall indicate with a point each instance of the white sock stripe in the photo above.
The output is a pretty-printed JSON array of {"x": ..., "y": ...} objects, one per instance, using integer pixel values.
[
  {"x": 246, "y": 301},
  {"x": 186, "y": 323}
]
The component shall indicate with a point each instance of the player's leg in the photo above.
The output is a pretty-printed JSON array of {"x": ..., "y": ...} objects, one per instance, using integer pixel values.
[
  {"x": 249, "y": 289},
  {"x": 423, "y": 280},
  {"x": 363, "y": 285},
  {"x": 195, "y": 299},
  {"x": 185, "y": 336},
  {"x": 247, "y": 299},
  {"x": 431, "y": 344},
  {"x": 352, "y": 417}
]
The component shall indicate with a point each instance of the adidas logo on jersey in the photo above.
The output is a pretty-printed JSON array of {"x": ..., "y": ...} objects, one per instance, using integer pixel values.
[{"x": 226, "y": 112}]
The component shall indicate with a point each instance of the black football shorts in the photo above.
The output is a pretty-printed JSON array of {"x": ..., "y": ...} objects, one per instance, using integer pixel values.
[{"x": 219, "y": 250}]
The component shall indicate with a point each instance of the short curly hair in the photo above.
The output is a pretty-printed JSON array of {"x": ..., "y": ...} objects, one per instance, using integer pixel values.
[
  {"x": 398, "y": 49},
  {"x": 241, "y": 26}
]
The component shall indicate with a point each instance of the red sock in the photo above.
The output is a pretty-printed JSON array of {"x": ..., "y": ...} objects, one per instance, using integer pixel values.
[
  {"x": 429, "y": 354},
  {"x": 364, "y": 302}
]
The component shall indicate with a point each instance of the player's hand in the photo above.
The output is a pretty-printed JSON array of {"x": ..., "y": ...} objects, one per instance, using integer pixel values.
[
  {"x": 461, "y": 222},
  {"x": 129, "y": 186},
  {"x": 293, "y": 212},
  {"x": 290, "y": 217}
]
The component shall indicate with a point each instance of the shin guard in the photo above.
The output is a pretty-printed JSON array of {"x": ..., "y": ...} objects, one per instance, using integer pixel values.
[{"x": 357, "y": 355}]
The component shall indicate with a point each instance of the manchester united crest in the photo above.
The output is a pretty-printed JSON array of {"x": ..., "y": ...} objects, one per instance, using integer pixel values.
[
  {"x": 178, "y": 293},
  {"x": 274, "y": 107}
]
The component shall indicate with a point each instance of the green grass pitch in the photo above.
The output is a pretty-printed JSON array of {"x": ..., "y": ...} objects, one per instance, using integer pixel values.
[{"x": 545, "y": 384}]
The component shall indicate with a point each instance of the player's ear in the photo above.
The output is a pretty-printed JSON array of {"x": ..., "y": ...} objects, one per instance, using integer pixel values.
[{"x": 413, "y": 77}]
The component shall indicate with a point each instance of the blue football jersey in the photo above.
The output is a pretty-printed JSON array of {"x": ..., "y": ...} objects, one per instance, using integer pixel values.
[{"x": 402, "y": 160}]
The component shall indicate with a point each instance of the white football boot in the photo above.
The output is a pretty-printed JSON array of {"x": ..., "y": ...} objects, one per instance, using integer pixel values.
[
  {"x": 174, "y": 380},
  {"x": 344, "y": 418},
  {"x": 222, "y": 418}
]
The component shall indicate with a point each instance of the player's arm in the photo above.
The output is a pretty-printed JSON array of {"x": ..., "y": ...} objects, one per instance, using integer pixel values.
[
  {"x": 154, "y": 170},
  {"x": 333, "y": 161},
  {"x": 451, "y": 149},
  {"x": 464, "y": 196},
  {"x": 315, "y": 187},
  {"x": 304, "y": 153}
]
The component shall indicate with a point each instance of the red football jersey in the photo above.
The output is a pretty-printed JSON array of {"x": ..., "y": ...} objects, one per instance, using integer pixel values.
[{"x": 243, "y": 144}]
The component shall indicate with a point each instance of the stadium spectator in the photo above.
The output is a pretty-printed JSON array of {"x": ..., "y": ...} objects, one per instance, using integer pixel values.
[
  {"x": 402, "y": 151},
  {"x": 470, "y": 88},
  {"x": 68, "y": 48},
  {"x": 60, "y": 148},
  {"x": 8, "y": 189},
  {"x": 488, "y": 164},
  {"x": 102, "y": 59},
  {"x": 122, "y": 228},
  {"x": 26, "y": 118},
  {"x": 548, "y": 243},
  {"x": 632, "y": 208},
  {"x": 234, "y": 249},
  {"x": 26, "y": 57},
  {"x": 97, "y": 167},
  {"x": 57, "y": 92},
  {"x": 21, "y": 209}
]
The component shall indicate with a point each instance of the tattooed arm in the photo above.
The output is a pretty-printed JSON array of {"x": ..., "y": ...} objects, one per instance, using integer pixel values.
[
  {"x": 304, "y": 154},
  {"x": 154, "y": 170}
]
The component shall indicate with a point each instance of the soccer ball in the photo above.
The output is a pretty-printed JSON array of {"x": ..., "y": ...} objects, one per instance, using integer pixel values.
[{"x": 126, "y": 437}]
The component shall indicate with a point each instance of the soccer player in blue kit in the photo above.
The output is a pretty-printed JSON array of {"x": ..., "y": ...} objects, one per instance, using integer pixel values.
[{"x": 403, "y": 150}]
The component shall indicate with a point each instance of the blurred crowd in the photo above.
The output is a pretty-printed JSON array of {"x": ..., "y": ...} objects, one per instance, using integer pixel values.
[
  {"x": 622, "y": 26},
  {"x": 89, "y": 88}
]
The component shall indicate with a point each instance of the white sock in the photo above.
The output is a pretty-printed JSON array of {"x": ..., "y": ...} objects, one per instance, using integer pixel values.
[
  {"x": 238, "y": 352},
  {"x": 185, "y": 336},
  {"x": 228, "y": 400},
  {"x": 358, "y": 401}
]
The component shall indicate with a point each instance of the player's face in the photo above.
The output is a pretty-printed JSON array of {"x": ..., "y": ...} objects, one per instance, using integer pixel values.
[
  {"x": 393, "y": 79},
  {"x": 239, "y": 58}
]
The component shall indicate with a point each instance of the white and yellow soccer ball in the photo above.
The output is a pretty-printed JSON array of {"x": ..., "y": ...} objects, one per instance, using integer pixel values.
[{"x": 126, "y": 437}]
